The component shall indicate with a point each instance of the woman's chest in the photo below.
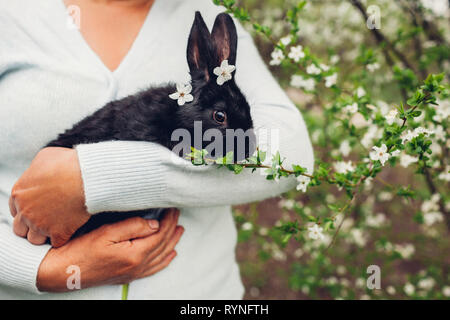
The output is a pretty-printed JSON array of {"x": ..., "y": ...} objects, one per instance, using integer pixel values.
[{"x": 39, "y": 100}]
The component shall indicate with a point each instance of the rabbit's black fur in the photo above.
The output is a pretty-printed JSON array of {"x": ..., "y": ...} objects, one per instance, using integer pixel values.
[{"x": 152, "y": 115}]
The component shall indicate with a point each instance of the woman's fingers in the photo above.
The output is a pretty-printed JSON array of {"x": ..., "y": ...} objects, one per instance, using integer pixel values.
[
  {"x": 12, "y": 206},
  {"x": 167, "y": 228},
  {"x": 168, "y": 225},
  {"x": 132, "y": 228},
  {"x": 163, "y": 264},
  {"x": 35, "y": 237},
  {"x": 158, "y": 255},
  {"x": 19, "y": 226}
]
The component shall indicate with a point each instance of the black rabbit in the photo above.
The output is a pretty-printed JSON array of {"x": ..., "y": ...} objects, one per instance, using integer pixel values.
[{"x": 154, "y": 114}]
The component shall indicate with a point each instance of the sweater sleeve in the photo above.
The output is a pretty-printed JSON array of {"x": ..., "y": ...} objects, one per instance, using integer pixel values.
[
  {"x": 125, "y": 176},
  {"x": 19, "y": 260}
]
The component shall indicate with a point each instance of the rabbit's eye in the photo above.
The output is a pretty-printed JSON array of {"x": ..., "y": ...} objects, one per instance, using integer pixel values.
[{"x": 219, "y": 116}]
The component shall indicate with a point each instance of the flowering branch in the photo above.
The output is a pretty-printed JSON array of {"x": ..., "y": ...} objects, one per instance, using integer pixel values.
[{"x": 392, "y": 134}]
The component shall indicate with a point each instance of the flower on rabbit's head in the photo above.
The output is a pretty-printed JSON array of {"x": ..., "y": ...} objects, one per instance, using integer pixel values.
[
  {"x": 183, "y": 94},
  {"x": 223, "y": 72}
]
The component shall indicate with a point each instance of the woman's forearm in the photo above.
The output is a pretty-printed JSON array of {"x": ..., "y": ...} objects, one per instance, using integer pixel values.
[
  {"x": 137, "y": 175},
  {"x": 19, "y": 260}
]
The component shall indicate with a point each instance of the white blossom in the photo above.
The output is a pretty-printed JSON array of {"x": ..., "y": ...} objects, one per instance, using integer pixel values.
[
  {"x": 372, "y": 133},
  {"x": 287, "y": 204},
  {"x": 263, "y": 231},
  {"x": 446, "y": 291},
  {"x": 298, "y": 81},
  {"x": 183, "y": 94},
  {"x": 384, "y": 108},
  {"x": 409, "y": 289},
  {"x": 360, "y": 283},
  {"x": 341, "y": 270},
  {"x": 246, "y": 226},
  {"x": 331, "y": 80},
  {"x": 445, "y": 175},
  {"x": 298, "y": 253},
  {"x": 331, "y": 281},
  {"x": 439, "y": 133},
  {"x": 430, "y": 218},
  {"x": 380, "y": 154},
  {"x": 438, "y": 7},
  {"x": 436, "y": 150},
  {"x": 313, "y": 69},
  {"x": 424, "y": 131},
  {"x": 442, "y": 112},
  {"x": 391, "y": 290},
  {"x": 223, "y": 72},
  {"x": 345, "y": 148},
  {"x": 351, "y": 108},
  {"x": 373, "y": 66},
  {"x": 316, "y": 232},
  {"x": 391, "y": 116},
  {"x": 277, "y": 56},
  {"x": 385, "y": 196},
  {"x": 358, "y": 237},
  {"x": 426, "y": 283},
  {"x": 360, "y": 92},
  {"x": 376, "y": 221},
  {"x": 432, "y": 204},
  {"x": 406, "y": 250},
  {"x": 296, "y": 53},
  {"x": 334, "y": 59},
  {"x": 395, "y": 153},
  {"x": 409, "y": 135},
  {"x": 343, "y": 167},
  {"x": 302, "y": 183},
  {"x": 406, "y": 160},
  {"x": 368, "y": 183},
  {"x": 324, "y": 67},
  {"x": 286, "y": 40},
  {"x": 279, "y": 255}
]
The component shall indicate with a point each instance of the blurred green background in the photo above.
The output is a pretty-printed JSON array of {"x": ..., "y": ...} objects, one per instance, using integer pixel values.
[{"x": 399, "y": 235}]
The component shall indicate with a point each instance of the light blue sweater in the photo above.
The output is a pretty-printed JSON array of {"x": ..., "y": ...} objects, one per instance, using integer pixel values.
[{"x": 50, "y": 79}]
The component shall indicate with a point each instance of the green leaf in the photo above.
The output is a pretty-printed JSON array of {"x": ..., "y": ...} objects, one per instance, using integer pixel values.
[
  {"x": 286, "y": 238},
  {"x": 238, "y": 168},
  {"x": 406, "y": 192}
]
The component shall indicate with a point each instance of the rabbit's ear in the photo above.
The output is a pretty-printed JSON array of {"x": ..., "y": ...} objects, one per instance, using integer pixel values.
[
  {"x": 199, "y": 48},
  {"x": 224, "y": 39}
]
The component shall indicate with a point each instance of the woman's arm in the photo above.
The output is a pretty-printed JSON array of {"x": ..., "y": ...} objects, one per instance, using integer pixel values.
[
  {"x": 127, "y": 176},
  {"x": 118, "y": 253},
  {"x": 19, "y": 260}
]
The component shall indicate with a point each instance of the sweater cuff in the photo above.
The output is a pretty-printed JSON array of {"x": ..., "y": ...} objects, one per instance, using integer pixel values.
[
  {"x": 23, "y": 260},
  {"x": 121, "y": 175}
]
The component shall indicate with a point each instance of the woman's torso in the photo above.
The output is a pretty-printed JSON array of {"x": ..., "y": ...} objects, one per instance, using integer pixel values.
[{"x": 50, "y": 79}]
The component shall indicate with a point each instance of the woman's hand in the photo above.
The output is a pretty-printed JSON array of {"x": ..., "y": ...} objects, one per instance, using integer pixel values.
[
  {"x": 48, "y": 199},
  {"x": 113, "y": 254}
]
